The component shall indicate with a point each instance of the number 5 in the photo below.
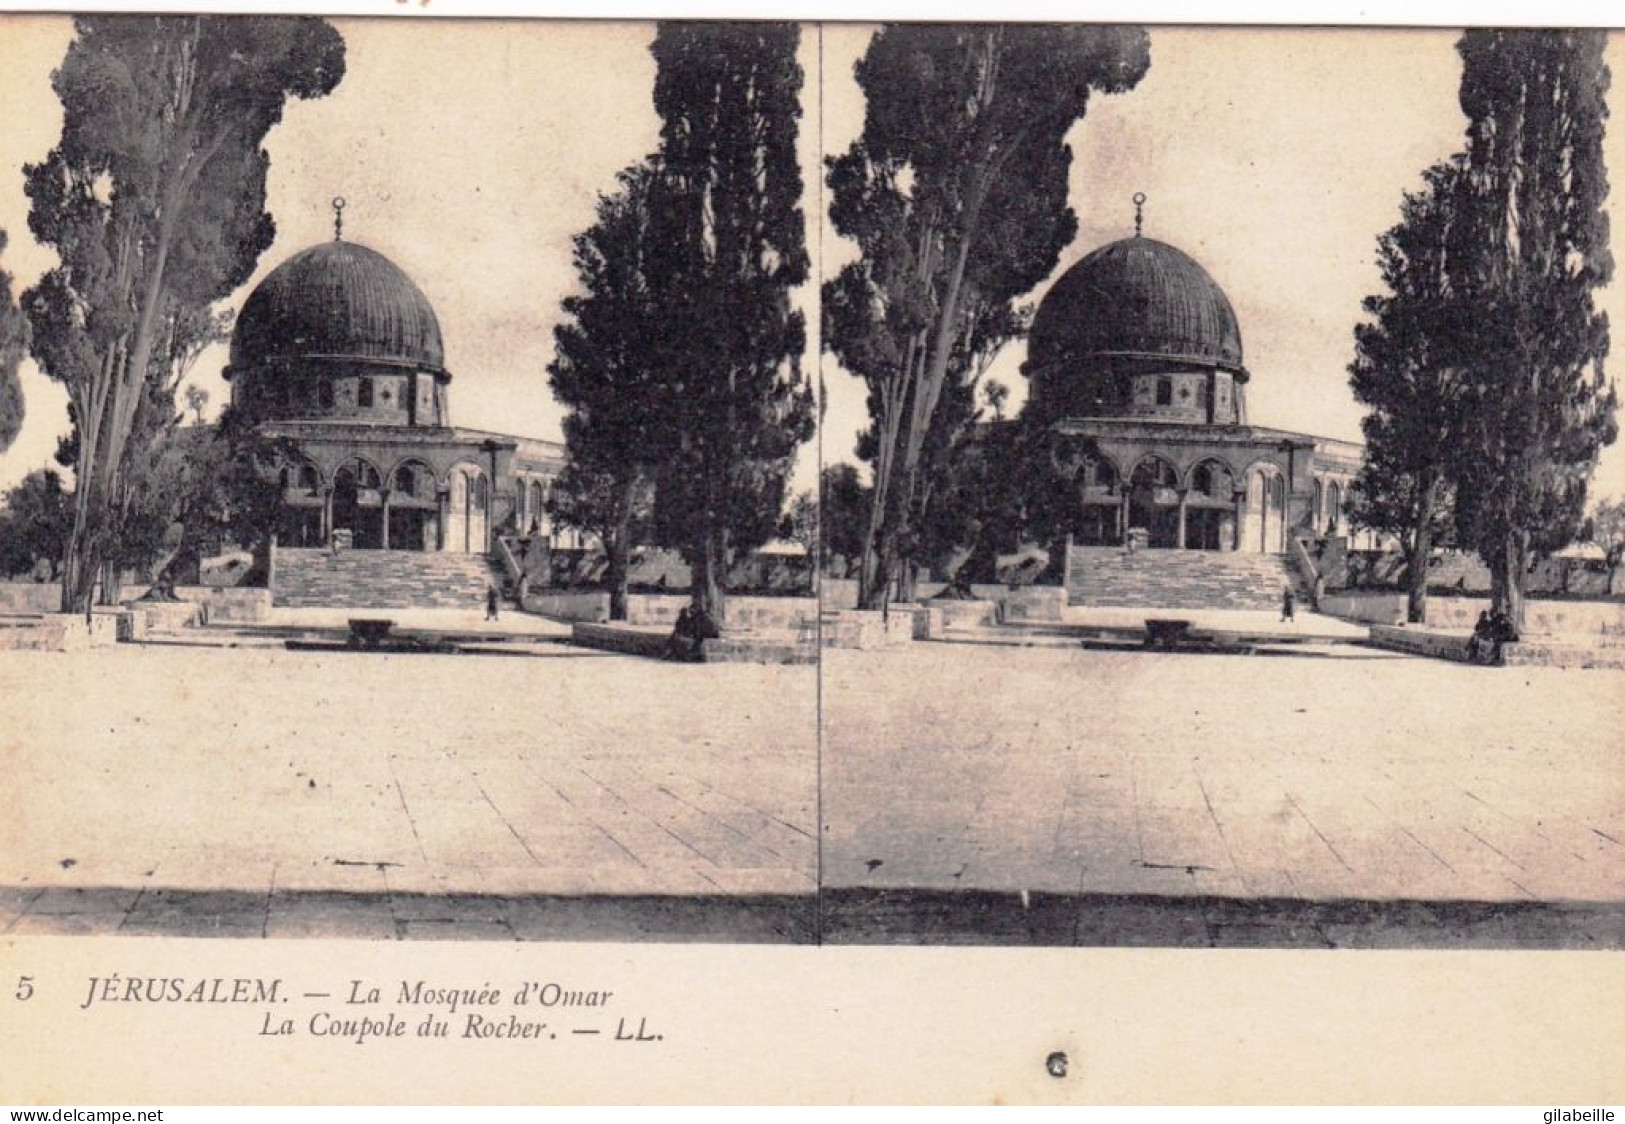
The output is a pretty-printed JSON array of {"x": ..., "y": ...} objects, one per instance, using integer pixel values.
[{"x": 25, "y": 987}]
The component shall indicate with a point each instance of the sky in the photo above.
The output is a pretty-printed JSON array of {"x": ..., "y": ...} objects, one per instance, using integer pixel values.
[{"x": 470, "y": 152}]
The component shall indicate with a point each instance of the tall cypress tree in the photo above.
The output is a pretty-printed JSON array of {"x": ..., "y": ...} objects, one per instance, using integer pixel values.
[
  {"x": 1408, "y": 373},
  {"x": 13, "y": 342},
  {"x": 1538, "y": 407},
  {"x": 154, "y": 200},
  {"x": 606, "y": 370},
  {"x": 956, "y": 194},
  {"x": 727, "y": 221}
]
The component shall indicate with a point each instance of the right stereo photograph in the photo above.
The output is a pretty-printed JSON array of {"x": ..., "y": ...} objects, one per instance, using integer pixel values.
[{"x": 1222, "y": 520}]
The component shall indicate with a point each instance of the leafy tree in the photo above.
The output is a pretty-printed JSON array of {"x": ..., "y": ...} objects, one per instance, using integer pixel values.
[
  {"x": 800, "y": 524},
  {"x": 1538, "y": 406},
  {"x": 212, "y": 486},
  {"x": 13, "y": 342},
  {"x": 150, "y": 493},
  {"x": 1408, "y": 371},
  {"x": 35, "y": 518},
  {"x": 606, "y": 371},
  {"x": 997, "y": 396},
  {"x": 731, "y": 246},
  {"x": 956, "y": 194},
  {"x": 1607, "y": 530},
  {"x": 843, "y": 515},
  {"x": 196, "y": 399},
  {"x": 154, "y": 201},
  {"x": 1001, "y": 491}
]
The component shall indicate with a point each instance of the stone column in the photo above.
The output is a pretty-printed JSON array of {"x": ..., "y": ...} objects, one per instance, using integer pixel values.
[
  {"x": 383, "y": 515},
  {"x": 327, "y": 515},
  {"x": 1240, "y": 496},
  {"x": 1122, "y": 518},
  {"x": 443, "y": 499},
  {"x": 1180, "y": 541}
]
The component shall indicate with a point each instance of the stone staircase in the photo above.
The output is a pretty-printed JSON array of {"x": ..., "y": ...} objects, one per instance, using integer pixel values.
[
  {"x": 382, "y": 579},
  {"x": 1180, "y": 579}
]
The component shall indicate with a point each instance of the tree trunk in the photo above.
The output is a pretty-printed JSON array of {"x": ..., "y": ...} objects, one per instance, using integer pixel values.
[
  {"x": 185, "y": 557},
  {"x": 1517, "y": 578},
  {"x": 880, "y": 563},
  {"x": 706, "y": 596},
  {"x": 617, "y": 552},
  {"x": 110, "y": 584},
  {"x": 908, "y": 577},
  {"x": 1509, "y": 572},
  {"x": 1416, "y": 572},
  {"x": 77, "y": 570}
]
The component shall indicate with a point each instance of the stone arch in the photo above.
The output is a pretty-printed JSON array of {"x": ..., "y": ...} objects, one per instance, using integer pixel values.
[
  {"x": 413, "y": 478},
  {"x": 1210, "y": 505},
  {"x": 303, "y": 475},
  {"x": 360, "y": 469},
  {"x": 1212, "y": 477},
  {"x": 536, "y": 516},
  {"x": 1154, "y": 469},
  {"x": 412, "y": 506},
  {"x": 355, "y": 501},
  {"x": 1153, "y": 500},
  {"x": 1336, "y": 494},
  {"x": 1263, "y": 522},
  {"x": 1097, "y": 481},
  {"x": 468, "y": 509}
]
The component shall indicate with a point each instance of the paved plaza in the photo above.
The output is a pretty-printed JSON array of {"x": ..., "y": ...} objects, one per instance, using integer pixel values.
[
  {"x": 259, "y": 791},
  {"x": 1150, "y": 798}
]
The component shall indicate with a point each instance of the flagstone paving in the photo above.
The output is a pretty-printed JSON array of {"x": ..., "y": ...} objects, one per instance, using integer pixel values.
[
  {"x": 972, "y": 778},
  {"x": 258, "y": 791}
]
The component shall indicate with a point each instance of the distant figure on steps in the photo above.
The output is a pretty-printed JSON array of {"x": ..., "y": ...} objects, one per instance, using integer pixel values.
[
  {"x": 490, "y": 602},
  {"x": 1286, "y": 603}
]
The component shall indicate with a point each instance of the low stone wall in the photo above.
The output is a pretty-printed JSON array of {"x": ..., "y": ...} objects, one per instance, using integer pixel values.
[
  {"x": 618, "y": 638},
  {"x": 1034, "y": 603},
  {"x": 967, "y": 614},
  {"x": 1564, "y": 652},
  {"x": 1598, "y": 652},
  {"x": 30, "y": 597},
  {"x": 758, "y": 649},
  {"x": 869, "y": 629},
  {"x": 769, "y": 613},
  {"x": 172, "y": 616},
  {"x": 755, "y": 613},
  {"x": 228, "y": 604},
  {"x": 59, "y": 632},
  {"x": 1465, "y": 573},
  {"x": 234, "y": 604},
  {"x": 1541, "y": 618},
  {"x": 1420, "y": 642},
  {"x": 131, "y": 624},
  {"x": 632, "y": 640},
  {"x": 1023, "y": 603},
  {"x": 575, "y": 605},
  {"x": 838, "y": 593},
  {"x": 1367, "y": 607}
]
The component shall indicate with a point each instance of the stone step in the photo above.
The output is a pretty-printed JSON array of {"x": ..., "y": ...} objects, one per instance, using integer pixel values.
[
  {"x": 380, "y": 579},
  {"x": 1179, "y": 579}
]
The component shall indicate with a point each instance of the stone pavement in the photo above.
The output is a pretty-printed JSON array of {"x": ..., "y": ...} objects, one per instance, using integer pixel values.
[
  {"x": 261, "y": 791},
  {"x": 1184, "y": 787}
]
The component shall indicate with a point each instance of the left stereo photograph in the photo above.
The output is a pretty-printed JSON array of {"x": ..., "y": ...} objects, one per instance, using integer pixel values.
[{"x": 407, "y": 438}]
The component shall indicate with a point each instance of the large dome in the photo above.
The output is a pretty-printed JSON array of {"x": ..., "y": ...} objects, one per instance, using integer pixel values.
[
  {"x": 342, "y": 302},
  {"x": 1136, "y": 300}
]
